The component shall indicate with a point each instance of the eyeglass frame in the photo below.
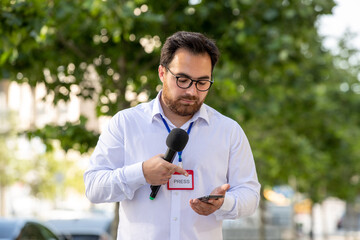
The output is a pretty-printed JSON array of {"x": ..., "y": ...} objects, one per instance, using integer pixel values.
[{"x": 192, "y": 81}]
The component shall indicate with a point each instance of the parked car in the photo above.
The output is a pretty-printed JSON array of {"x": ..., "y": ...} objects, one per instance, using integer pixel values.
[
  {"x": 83, "y": 228},
  {"x": 350, "y": 220},
  {"x": 23, "y": 229}
]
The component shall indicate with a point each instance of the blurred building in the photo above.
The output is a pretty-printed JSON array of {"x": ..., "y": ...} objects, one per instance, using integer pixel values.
[
  {"x": 22, "y": 108},
  {"x": 34, "y": 108}
]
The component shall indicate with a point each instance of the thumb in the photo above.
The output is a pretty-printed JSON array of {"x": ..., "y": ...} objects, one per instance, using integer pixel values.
[
  {"x": 225, "y": 187},
  {"x": 221, "y": 189}
]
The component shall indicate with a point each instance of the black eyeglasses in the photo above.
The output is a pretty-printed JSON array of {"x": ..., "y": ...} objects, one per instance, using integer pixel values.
[{"x": 185, "y": 82}]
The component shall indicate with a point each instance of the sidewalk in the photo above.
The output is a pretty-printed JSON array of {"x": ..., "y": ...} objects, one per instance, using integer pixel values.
[
  {"x": 276, "y": 233},
  {"x": 338, "y": 236}
]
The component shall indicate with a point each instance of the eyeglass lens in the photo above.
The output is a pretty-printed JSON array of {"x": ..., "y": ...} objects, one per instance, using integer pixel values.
[
  {"x": 201, "y": 85},
  {"x": 186, "y": 82}
]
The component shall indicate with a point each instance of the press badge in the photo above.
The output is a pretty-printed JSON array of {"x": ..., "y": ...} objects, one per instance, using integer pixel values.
[{"x": 181, "y": 182}]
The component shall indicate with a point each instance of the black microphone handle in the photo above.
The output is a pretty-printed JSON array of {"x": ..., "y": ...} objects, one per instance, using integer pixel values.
[{"x": 169, "y": 156}]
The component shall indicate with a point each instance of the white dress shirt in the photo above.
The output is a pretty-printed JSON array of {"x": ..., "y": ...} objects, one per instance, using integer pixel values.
[{"x": 217, "y": 151}]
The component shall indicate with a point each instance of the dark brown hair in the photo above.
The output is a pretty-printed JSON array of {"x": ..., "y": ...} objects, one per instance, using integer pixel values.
[{"x": 194, "y": 42}]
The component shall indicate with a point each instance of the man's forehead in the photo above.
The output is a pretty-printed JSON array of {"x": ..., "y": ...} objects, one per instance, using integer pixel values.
[
  {"x": 186, "y": 59},
  {"x": 187, "y": 52}
]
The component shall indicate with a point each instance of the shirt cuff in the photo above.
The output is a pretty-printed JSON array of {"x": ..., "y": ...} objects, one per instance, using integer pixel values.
[
  {"x": 134, "y": 175},
  {"x": 228, "y": 203}
]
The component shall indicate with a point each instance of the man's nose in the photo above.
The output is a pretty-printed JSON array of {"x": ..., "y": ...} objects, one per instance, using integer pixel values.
[{"x": 192, "y": 89}]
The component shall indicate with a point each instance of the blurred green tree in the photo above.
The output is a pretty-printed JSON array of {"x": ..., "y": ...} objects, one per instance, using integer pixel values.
[{"x": 11, "y": 167}]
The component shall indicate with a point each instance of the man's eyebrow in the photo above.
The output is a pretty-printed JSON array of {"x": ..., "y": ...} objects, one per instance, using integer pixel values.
[{"x": 200, "y": 78}]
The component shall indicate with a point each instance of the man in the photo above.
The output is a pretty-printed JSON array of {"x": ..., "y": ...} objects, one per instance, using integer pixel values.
[{"x": 216, "y": 160}]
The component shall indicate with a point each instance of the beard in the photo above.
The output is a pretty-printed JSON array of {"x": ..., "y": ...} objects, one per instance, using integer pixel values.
[{"x": 177, "y": 107}]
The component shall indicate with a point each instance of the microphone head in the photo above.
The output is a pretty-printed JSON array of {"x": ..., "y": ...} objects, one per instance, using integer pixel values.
[{"x": 177, "y": 139}]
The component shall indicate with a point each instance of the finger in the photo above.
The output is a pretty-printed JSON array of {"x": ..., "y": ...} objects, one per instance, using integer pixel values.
[
  {"x": 165, "y": 180},
  {"x": 216, "y": 203},
  {"x": 181, "y": 171},
  {"x": 174, "y": 168},
  {"x": 202, "y": 208},
  {"x": 200, "y": 205},
  {"x": 195, "y": 206},
  {"x": 198, "y": 211}
]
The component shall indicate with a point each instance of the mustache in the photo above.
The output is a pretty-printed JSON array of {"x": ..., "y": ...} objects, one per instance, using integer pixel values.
[{"x": 188, "y": 97}]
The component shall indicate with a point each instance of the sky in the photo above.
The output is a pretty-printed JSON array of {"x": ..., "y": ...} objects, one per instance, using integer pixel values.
[{"x": 345, "y": 16}]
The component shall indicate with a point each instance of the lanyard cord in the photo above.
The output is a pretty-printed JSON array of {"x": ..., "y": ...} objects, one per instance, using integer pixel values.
[{"x": 168, "y": 128}]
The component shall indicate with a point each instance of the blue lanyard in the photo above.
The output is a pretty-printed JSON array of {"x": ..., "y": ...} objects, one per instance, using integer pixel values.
[{"x": 168, "y": 128}]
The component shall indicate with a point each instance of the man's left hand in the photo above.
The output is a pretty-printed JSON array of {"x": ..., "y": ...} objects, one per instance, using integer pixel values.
[{"x": 207, "y": 208}]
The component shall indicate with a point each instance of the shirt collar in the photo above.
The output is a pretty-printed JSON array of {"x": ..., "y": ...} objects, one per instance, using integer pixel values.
[{"x": 157, "y": 110}]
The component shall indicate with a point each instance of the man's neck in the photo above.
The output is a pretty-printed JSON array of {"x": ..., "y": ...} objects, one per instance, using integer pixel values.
[{"x": 174, "y": 118}]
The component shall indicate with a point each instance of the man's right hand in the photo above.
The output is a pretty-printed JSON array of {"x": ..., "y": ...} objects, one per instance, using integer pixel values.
[{"x": 158, "y": 171}]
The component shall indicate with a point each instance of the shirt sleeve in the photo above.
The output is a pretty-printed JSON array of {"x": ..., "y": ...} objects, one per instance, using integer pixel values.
[
  {"x": 242, "y": 199},
  {"x": 107, "y": 179}
]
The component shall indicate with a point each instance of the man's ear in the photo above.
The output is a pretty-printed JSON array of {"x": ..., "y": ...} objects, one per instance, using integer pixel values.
[{"x": 161, "y": 71}]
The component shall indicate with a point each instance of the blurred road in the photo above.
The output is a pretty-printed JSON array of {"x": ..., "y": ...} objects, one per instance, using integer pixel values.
[
  {"x": 283, "y": 234},
  {"x": 342, "y": 236}
]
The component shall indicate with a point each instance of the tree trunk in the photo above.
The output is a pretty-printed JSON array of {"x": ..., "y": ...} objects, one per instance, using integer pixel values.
[
  {"x": 262, "y": 227},
  {"x": 324, "y": 222},
  {"x": 115, "y": 222},
  {"x": 312, "y": 222},
  {"x": 2, "y": 201},
  {"x": 293, "y": 185}
]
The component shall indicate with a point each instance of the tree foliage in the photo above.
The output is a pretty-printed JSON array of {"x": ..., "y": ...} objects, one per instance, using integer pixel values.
[
  {"x": 296, "y": 101},
  {"x": 73, "y": 136},
  {"x": 11, "y": 166}
]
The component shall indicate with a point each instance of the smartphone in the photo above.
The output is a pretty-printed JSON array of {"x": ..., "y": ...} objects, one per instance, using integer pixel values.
[{"x": 208, "y": 197}]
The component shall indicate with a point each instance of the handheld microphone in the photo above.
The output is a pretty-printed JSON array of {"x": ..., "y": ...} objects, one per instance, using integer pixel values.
[{"x": 176, "y": 142}]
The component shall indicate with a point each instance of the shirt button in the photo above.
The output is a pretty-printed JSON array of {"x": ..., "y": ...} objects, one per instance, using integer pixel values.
[
  {"x": 176, "y": 193},
  {"x": 175, "y": 218}
]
